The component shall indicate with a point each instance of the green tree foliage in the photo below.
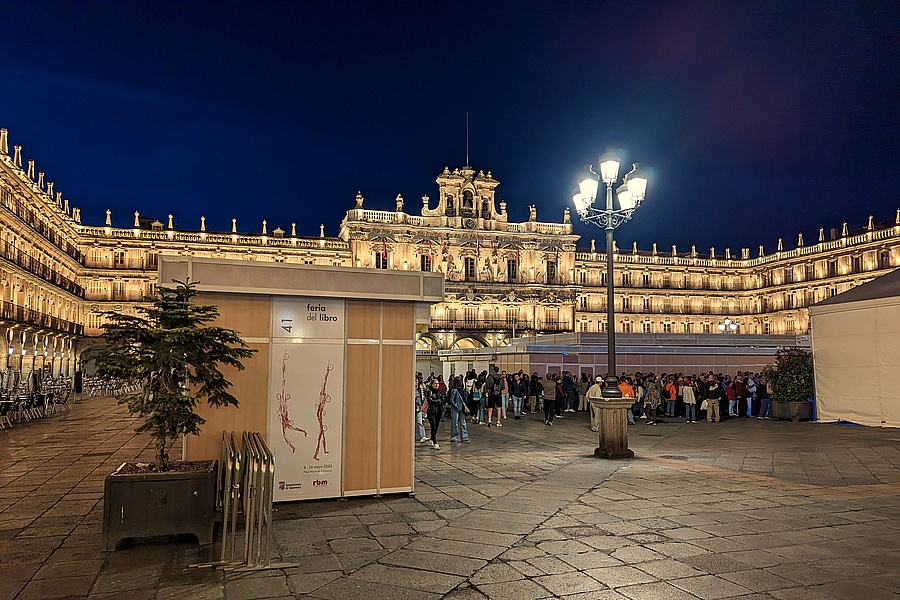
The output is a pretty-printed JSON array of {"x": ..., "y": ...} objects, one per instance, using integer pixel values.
[
  {"x": 175, "y": 357},
  {"x": 791, "y": 379}
]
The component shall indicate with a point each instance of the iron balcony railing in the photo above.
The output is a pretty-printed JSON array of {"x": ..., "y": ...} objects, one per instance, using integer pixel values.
[
  {"x": 30, "y": 264},
  {"x": 21, "y": 314}
]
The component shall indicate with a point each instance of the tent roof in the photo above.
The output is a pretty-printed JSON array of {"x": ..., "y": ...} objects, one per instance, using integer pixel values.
[{"x": 886, "y": 286}]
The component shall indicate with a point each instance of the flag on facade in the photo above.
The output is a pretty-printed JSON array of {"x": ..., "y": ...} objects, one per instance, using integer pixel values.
[{"x": 384, "y": 249}]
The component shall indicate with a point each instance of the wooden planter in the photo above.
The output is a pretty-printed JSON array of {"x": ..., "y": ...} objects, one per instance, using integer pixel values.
[
  {"x": 159, "y": 504},
  {"x": 792, "y": 410}
]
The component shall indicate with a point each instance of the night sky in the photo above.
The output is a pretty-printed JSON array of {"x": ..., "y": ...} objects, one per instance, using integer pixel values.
[{"x": 756, "y": 119}]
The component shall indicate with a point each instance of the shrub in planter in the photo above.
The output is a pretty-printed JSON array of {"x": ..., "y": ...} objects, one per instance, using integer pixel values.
[
  {"x": 174, "y": 356},
  {"x": 791, "y": 383}
]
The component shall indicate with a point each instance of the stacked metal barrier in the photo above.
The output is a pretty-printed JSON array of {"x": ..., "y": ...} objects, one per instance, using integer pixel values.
[{"x": 246, "y": 485}]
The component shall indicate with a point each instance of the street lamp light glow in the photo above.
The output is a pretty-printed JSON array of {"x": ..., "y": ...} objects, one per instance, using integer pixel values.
[
  {"x": 609, "y": 167},
  {"x": 727, "y": 326}
]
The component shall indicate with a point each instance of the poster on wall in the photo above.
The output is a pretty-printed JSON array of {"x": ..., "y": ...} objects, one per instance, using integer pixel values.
[{"x": 306, "y": 375}]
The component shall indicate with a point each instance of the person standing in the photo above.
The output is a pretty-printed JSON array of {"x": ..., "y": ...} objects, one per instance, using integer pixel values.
[
  {"x": 504, "y": 396},
  {"x": 627, "y": 392},
  {"x": 715, "y": 393},
  {"x": 731, "y": 398},
  {"x": 582, "y": 389},
  {"x": 421, "y": 391},
  {"x": 436, "y": 399},
  {"x": 652, "y": 400},
  {"x": 671, "y": 390},
  {"x": 568, "y": 385},
  {"x": 740, "y": 394},
  {"x": 560, "y": 403},
  {"x": 535, "y": 389},
  {"x": 493, "y": 386},
  {"x": 690, "y": 400},
  {"x": 751, "y": 390},
  {"x": 458, "y": 429},
  {"x": 548, "y": 396},
  {"x": 762, "y": 392},
  {"x": 595, "y": 392},
  {"x": 517, "y": 390},
  {"x": 479, "y": 388}
]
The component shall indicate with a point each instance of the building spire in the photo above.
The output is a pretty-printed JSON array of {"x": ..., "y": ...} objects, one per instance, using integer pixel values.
[{"x": 4, "y": 142}]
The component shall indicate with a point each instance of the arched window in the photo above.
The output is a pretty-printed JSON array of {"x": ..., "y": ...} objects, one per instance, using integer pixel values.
[{"x": 468, "y": 200}]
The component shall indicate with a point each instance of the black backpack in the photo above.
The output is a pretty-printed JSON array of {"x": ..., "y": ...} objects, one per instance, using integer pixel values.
[{"x": 496, "y": 385}]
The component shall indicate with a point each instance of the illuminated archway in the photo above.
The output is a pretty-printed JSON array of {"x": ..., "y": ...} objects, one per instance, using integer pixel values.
[
  {"x": 469, "y": 342},
  {"x": 426, "y": 341}
]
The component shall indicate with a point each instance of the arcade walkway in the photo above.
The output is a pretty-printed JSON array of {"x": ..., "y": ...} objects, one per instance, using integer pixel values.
[{"x": 744, "y": 509}]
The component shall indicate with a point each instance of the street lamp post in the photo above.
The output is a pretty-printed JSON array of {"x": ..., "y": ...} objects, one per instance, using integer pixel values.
[
  {"x": 727, "y": 326},
  {"x": 614, "y": 436}
]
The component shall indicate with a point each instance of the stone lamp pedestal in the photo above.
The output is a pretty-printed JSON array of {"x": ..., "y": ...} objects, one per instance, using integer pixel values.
[{"x": 613, "y": 427}]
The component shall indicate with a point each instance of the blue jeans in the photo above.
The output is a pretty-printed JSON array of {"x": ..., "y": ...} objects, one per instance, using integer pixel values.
[
  {"x": 630, "y": 416},
  {"x": 691, "y": 410},
  {"x": 670, "y": 408},
  {"x": 505, "y": 404},
  {"x": 749, "y": 406},
  {"x": 481, "y": 402},
  {"x": 765, "y": 407},
  {"x": 458, "y": 426},
  {"x": 420, "y": 425},
  {"x": 517, "y": 405}
]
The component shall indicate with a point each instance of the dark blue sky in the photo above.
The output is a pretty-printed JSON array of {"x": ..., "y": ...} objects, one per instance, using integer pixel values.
[{"x": 758, "y": 119}]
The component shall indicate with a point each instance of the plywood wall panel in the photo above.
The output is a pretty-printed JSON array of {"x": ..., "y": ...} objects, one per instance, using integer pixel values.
[
  {"x": 361, "y": 418},
  {"x": 251, "y": 388},
  {"x": 399, "y": 321},
  {"x": 248, "y": 315},
  {"x": 397, "y": 417},
  {"x": 363, "y": 320}
]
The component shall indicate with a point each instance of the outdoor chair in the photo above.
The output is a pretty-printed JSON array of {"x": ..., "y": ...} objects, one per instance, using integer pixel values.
[
  {"x": 6, "y": 407},
  {"x": 61, "y": 399}
]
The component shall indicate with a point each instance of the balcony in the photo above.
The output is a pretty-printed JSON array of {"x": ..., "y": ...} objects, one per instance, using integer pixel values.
[
  {"x": 27, "y": 262},
  {"x": 21, "y": 314},
  {"x": 498, "y": 325}
]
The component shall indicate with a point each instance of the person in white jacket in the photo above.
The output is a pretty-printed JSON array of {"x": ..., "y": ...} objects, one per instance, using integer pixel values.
[{"x": 595, "y": 391}]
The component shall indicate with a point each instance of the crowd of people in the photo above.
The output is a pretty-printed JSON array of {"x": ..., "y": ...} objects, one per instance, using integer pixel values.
[{"x": 487, "y": 398}]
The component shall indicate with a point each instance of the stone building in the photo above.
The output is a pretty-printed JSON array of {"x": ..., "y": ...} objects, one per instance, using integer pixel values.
[{"x": 504, "y": 278}]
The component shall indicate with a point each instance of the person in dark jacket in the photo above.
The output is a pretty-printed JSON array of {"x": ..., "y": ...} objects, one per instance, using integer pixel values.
[
  {"x": 437, "y": 398},
  {"x": 518, "y": 391},
  {"x": 715, "y": 394}
]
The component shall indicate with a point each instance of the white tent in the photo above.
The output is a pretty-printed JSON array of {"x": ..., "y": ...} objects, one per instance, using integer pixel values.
[{"x": 856, "y": 353}]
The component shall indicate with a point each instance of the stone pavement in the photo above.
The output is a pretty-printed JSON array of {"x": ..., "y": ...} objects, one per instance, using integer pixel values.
[{"x": 743, "y": 509}]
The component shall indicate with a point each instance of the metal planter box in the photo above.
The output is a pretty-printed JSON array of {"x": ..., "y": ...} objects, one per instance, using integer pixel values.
[
  {"x": 792, "y": 410},
  {"x": 159, "y": 504}
]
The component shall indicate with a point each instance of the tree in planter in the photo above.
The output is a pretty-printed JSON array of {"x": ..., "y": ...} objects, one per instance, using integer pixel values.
[
  {"x": 175, "y": 358},
  {"x": 791, "y": 379}
]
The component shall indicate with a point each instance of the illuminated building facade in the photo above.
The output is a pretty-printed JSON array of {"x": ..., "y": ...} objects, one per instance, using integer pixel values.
[{"x": 504, "y": 278}]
